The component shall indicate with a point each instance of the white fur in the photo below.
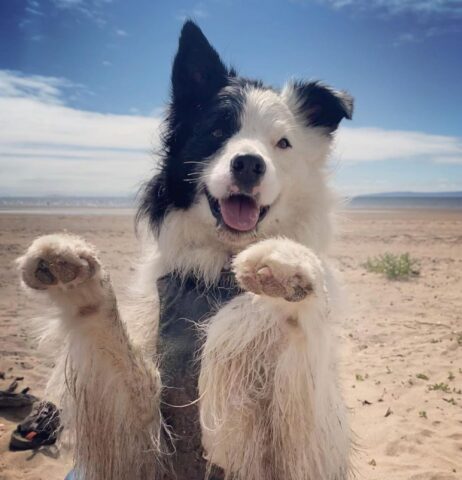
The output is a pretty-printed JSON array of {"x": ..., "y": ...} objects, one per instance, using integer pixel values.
[
  {"x": 108, "y": 392},
  {"x": 269, "y": 400}
]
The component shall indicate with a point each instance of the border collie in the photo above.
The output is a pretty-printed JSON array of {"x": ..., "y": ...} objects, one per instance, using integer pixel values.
[{"x": 222, "y": 365}]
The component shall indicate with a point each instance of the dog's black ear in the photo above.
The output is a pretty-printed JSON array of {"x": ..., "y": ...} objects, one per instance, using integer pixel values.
[
  {"x": 320, "y": 105},
  {"x": 198, "y": 72}
]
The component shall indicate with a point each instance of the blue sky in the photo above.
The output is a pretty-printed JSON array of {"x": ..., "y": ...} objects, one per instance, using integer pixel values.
[{"x": 83, "y": 82}]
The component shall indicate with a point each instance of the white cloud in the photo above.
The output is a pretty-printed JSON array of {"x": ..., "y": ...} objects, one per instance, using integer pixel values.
[
  {"x": 431, "y": 17},
  {"x": 47, "y": 147},
  {"x": 67, "y": 3},
  {"x": 197, "y": 12},
  {"x": 46, "y": 89},
  {"x": 447, "y": 8},
  {"x": 121, "y": 33},
  {"x": 34, "y": 11},
  {"x": 374, "y": 144},
  {"x": 92, "y": 10},
  {"x": 406, "y": 38}
]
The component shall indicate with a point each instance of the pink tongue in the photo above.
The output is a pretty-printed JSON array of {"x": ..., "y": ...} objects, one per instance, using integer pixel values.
[{"x": 240, "y": 212}]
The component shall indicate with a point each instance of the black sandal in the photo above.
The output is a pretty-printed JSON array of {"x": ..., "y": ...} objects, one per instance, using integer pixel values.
[
  {"x": 10, "y": 399},
  {"x": 40, "y": 428}
]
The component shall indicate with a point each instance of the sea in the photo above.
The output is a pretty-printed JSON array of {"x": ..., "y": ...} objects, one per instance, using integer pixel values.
[
  {"x": 127, "y": 205},
  {"x": 69, "y": 205}
]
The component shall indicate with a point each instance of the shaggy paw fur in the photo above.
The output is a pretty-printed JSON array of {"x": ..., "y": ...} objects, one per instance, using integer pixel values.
[
  {"x": 58, "y": 261},
  {"x": 278, "y": 268}
]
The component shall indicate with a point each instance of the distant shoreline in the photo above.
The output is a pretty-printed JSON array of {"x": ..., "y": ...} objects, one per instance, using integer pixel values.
[{"x": 66, "y": 210}]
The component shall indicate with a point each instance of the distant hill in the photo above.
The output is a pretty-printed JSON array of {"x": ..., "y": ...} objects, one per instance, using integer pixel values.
[
  {"x": 406, "y": 200},
  {"x": 412, "y": 194}
]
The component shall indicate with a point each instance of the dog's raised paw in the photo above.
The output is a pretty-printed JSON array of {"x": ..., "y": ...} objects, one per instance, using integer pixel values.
[
  {"x": 58, "y": 261},
  {"x": 277, "y": 268}
]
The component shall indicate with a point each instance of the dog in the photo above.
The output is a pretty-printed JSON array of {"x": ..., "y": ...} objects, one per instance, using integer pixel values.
[{"x": 222, "y": 365}]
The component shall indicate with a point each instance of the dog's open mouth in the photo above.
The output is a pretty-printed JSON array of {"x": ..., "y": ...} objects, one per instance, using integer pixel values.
[{"x": 238, "y": 212}]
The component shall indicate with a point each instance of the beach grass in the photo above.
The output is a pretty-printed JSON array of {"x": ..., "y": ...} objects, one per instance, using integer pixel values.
[{"x": 394, "y": 267}]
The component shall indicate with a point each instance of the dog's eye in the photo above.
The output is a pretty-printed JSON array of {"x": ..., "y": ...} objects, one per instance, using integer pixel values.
[
  {"x": 218, "y": 133},
  {"x": 283, "y": 144}
]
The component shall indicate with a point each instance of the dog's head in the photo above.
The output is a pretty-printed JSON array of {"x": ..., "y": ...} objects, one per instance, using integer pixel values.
[{"x": 240, "y": 160}]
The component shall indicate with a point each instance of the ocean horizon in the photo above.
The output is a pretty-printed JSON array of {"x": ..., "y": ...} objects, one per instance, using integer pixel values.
[{"x": 127, "y": 205}]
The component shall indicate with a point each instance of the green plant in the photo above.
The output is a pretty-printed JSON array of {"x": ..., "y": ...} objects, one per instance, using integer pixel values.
[
  {"x": 423, "y": 414},
  {"x": 394, "y": 267},
  {"x": 422, "y": 376},
  {"x": 444, "y": 387}
]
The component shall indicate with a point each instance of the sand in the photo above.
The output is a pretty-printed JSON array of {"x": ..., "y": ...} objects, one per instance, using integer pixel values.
[{"x": 392, "y": 332}]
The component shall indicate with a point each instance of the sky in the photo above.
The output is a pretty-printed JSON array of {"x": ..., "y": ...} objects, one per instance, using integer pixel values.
[{"x": 83, "y": 84}]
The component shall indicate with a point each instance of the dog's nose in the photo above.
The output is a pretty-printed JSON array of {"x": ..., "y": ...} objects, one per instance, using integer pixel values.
[{"x": 248, "y": 170}]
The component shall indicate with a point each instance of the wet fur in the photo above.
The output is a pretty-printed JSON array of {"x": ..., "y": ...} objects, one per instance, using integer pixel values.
[{"x": 269, "y": 398}]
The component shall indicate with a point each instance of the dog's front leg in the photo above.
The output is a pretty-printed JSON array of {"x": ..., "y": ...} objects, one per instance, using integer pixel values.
[
  {"x": 111, "y": 394},
  {"x": 269, "y": 399}
]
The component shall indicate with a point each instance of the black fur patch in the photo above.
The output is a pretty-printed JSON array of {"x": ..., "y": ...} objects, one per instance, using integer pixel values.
[
  {"x": 206, "y": 104},
  {"x": 186, "y": 152},
  {"x": 196, "y": 116},
  {"x": 322, "y": 106},
  {"x": 186, "y": 305}
]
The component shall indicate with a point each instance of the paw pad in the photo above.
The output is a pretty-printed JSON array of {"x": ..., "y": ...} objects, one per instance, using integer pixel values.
[
  {"x": 44, "y": 275},
  {"x": 275, "y": 280},
  {"x": 58, "y": 260}
]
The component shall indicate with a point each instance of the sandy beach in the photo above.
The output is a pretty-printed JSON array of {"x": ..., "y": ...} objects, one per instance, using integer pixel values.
[{"x": 401, "y": 341}]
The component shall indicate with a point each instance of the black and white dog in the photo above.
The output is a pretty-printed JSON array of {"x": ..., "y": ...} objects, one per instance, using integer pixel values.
[{"x": 222, "y": 364}]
